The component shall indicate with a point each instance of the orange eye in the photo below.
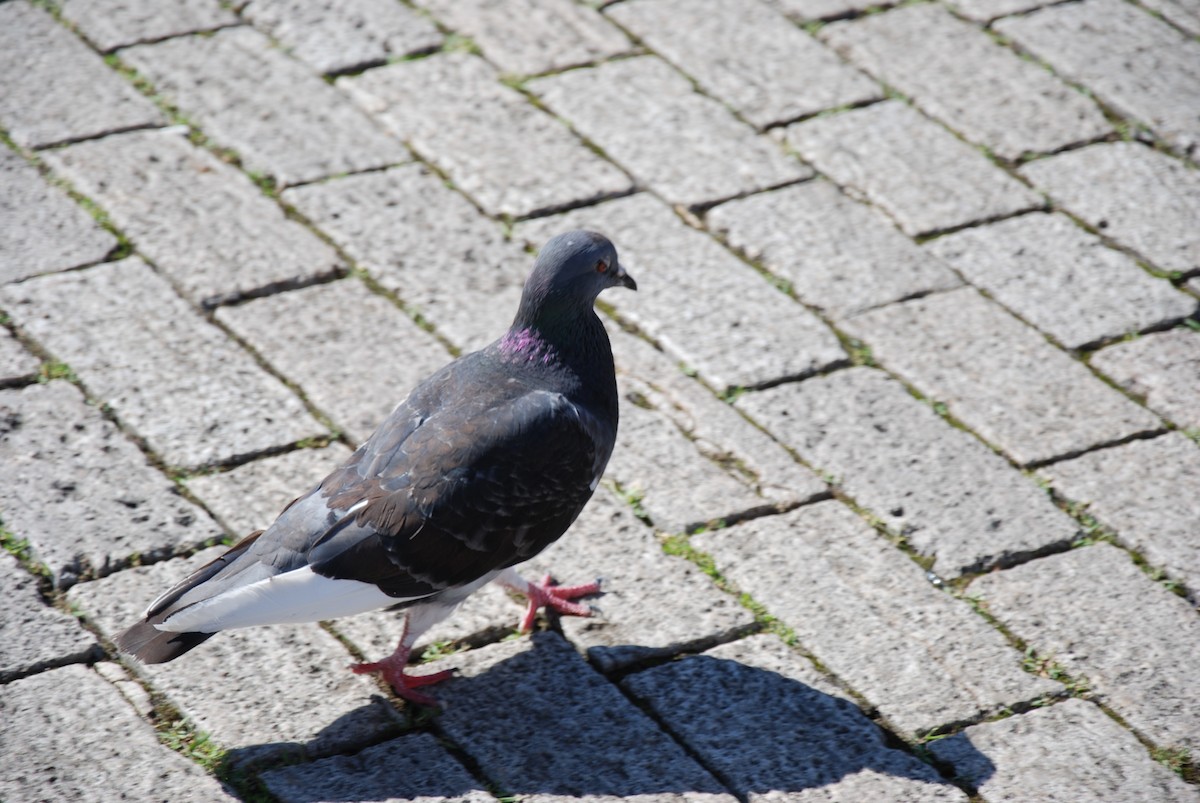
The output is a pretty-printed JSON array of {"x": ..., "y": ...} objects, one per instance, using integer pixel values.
[{"x": 602, "y": 267}]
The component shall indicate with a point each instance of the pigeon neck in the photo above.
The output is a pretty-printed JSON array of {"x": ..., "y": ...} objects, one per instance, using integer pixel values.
[{"x": 571, "y": 340}]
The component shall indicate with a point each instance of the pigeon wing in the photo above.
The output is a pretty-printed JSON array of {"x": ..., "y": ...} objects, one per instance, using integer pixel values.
[{"x": 474, "y": 488}]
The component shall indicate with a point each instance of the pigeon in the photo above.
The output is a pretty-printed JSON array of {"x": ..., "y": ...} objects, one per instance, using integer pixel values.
[{"x": 485, "y": 463}]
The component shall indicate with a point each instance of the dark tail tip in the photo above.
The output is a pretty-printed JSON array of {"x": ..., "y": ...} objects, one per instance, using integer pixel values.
[{"x": 153, "y": 646}]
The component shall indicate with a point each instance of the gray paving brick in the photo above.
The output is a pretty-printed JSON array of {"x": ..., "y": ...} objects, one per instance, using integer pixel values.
[
  {"x": 1162, "y": 368},
  {"x": 920, "y": 174},
  {"x": 1143, "y": 199},
  {"x": 1062, "y": 279},
  {"x": 1149, "y": 492},
  {"x": 1184, "y": 13},
  {"x": 411, "y": 768},
  {"x": 794, "y": 738},
  {"x": 310, "y": 339},
  {"x": 80, "y": 741},
  {"x": 250, "y": 496},
  {"x": 340, "y": 35},
  {"x": 867, "y": 613},
  {"x": 649, "y": 119},
  {"x": 747, "y": 55},
  {"x": 839, "y": 255},
  {"x": 41, "y": 228},
  {"x": 807, "y": 10},
  {"x": 201, "y": 221},
  {"x": 495, "y": 145},
  {"x": 281, "y": 119},
  {"x": 920, "y": 475},
  {"x": 694, "y": 492},
  {"x": 1139, "y": 65},
  {"x": 64, "y": 465},
  {"x": 988, "y": 10},
  {"x": 260, "y": 692},
  {"x": 1095, "y": 613},
  {"x": 716, "y": 428},
  {"x": 35, "y": 636},
  {"x": 998, "y": 376},
  {"x": 16, "y": 364},
  {"x": 1010, "y": 105},
  {"x": 525, "y": 37},
  {"x": 53, "y": 88},
  {"x": 109, "y": 24},
  {"x": 174, "y": 379},
  {"x": 427, "y": 244},
  {"x": 1067, "y": 753},
  {"x": 613, "y": 749},
  {"x": 652, "y": 605},
  {"x": 701, "y": 303}
]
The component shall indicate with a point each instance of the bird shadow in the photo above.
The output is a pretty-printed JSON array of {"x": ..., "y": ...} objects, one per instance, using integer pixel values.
[{"x": 542, "y": 722}]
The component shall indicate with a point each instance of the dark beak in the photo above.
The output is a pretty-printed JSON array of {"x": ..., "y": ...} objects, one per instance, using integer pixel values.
[{"x": 625, "y": 279}]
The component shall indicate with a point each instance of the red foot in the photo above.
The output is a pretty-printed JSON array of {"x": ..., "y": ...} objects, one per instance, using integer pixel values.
[
  {"x": 547, "y": 595},
  {"x": 392, "y": 669}
]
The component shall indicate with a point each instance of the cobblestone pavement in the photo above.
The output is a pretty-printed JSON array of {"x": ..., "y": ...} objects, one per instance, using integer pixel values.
[{"x": 906, "y": 501}]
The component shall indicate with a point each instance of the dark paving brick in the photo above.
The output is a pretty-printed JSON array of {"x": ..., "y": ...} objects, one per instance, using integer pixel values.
[
  {"x": 1095, "y": 613},
  {"x": 201, "y": 221},
  {"x": 1146, "y": 490},
  {"x": 282, "y": 120},
  {"x": 1010, "y": 105},
  {"x": 41, "y": 228},
  {"x": 578, "y": 735},
  {"x": 795, "y": 737},
  {"x": 919, "y": 475},
  {"x": 1138, "y": 64},
  {"x": 80, "y": 741},
  {"x": 80, "y": 492},
  {"x": 495, "y": 145},
  {"x": 264, "y": 691},
  {"x": 1143, "y": 199},
  {"x": 173, "y": 378},
  {"x": 35, "y": 636},
  {"x": 353, "y": 366},
  {"x": 53, "y": 88},
  {"x": 1162, "y": 368},
  {"x": 998, "y": 376},
  {"x": 525, "y": 37},
  {"x": 1067, "y": 753},
  {"x": 339, "y": 35},
  {"x": 411, "y": 768},
  {"x": 839, "y": 255},
  {"x": 109, "y": 24},
  {"x": 1062, "y": 279},
  {"x": 426, "y": 243},
  {"x": 868, "y": 614},
  {"x": 747, "y": 55},
  {"x": 636, "y": 110},
  {"x": 701, "y": 303},
  {"x": 916, "y": 171}
]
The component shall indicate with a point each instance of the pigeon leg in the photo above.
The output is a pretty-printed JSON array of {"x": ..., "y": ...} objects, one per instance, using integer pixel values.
[
  {"x": 392, "y": 669},
  {"x": 547, "y": 595}
]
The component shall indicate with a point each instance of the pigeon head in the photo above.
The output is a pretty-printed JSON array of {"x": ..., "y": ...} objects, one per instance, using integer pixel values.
[{"x": 570, "y": 271}]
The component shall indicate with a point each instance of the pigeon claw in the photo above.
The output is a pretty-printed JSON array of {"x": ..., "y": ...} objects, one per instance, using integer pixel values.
[
  {"x": 392, "y": 669},
  {"x": 559, "y": 598}
]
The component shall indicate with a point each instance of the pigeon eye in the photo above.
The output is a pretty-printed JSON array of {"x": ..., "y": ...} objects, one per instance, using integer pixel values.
[{"x": 602, "y": 267}]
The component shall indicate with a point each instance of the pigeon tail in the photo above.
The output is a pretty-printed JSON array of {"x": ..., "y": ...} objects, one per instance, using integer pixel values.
[{"x": 150, "y": 645}]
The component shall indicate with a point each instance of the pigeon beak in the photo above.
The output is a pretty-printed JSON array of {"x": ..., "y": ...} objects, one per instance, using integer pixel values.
[{"x": 625, "y": 280}]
